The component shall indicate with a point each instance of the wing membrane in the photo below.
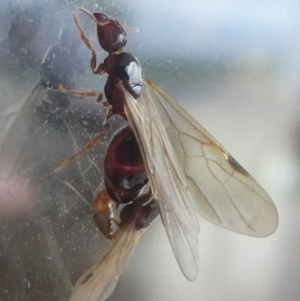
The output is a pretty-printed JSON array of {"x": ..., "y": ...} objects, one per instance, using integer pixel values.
[
  {"x": 168, "y": 180},
  {"x": 98, "y": 283},
  {"x": 189, "y": 170}
]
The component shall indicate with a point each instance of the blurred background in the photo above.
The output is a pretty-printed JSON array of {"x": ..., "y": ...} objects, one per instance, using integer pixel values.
[{"x": 234, "y": 65}]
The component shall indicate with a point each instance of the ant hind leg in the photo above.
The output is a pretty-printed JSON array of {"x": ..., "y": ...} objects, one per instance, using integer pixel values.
[{"x": 90, "y": 144}]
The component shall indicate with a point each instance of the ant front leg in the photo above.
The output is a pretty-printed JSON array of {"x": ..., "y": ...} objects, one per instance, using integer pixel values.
[
  {"x": 93, "y": 63},
  {"x": 80, "y": 93}
]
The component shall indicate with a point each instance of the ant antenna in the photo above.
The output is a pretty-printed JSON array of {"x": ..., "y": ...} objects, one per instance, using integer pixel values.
[
  {"x": 85, "y": 11},
  {"x": 132, "y": 30}
]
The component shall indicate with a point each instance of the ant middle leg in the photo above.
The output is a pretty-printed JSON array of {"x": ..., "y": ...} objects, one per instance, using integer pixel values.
[{"x": 90, "y": 144}]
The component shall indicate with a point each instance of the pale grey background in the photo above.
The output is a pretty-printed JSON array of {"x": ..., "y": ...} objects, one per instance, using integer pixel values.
[{"x": 234, "y": 65}]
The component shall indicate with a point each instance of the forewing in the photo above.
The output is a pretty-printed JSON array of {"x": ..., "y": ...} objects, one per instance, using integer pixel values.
[
  {"x": 99, "y": 282},
  {"x": 36, "y": 134},
  {"x": 168, "y": 181},
  {"x": 189, "y": 169}
]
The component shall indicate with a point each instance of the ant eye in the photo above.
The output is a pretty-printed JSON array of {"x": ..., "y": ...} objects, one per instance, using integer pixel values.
[
  {"x": 100, "y": 17},
  {"x": 103, "y": 17}
]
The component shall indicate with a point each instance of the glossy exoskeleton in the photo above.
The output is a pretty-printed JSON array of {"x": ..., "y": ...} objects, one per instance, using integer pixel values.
[
  {"x": 111, "y": 34},
  {"x": 123, "y": 69},
  {"x": 124, "y": 170},
  {"x": 124, "y": 177}
]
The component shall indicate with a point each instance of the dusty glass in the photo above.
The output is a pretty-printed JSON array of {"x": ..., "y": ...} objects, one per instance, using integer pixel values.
[{"x": 234, "y": 66}]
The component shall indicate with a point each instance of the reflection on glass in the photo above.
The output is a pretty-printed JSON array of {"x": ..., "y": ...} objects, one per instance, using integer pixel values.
[{"x": 234, "y": 64}]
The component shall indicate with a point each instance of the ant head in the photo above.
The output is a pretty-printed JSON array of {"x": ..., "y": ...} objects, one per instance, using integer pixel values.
[{"x": 111, "y": 34}]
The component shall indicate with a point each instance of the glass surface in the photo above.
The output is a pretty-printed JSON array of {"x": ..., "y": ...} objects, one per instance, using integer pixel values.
[{"x": 233, "y": 65}]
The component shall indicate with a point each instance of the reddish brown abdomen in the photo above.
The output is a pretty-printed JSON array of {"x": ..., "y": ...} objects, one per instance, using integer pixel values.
[{"x": 124, "y": 170}]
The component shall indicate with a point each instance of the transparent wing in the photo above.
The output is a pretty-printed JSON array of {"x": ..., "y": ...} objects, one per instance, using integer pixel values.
[
  {"x": 189, "y": 170},
  {"x": 10, "y": 114},
  {"x": 36, "y": 134},
  {"x": 99, "y": 282}
]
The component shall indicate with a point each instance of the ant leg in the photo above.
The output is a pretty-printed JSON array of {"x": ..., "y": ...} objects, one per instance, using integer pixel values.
[
  {"x": 93, "y": 63},
  {"x": 80, "y": 93},
  {"x": 104, "y": 214},
  {"x": 104, "y": 103},
  {"x": 91, "y": 143},
  {"x": 110, "y": 113},
  {"x": 86, "y": 94},
  {"x": 100, "y": 98}
]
